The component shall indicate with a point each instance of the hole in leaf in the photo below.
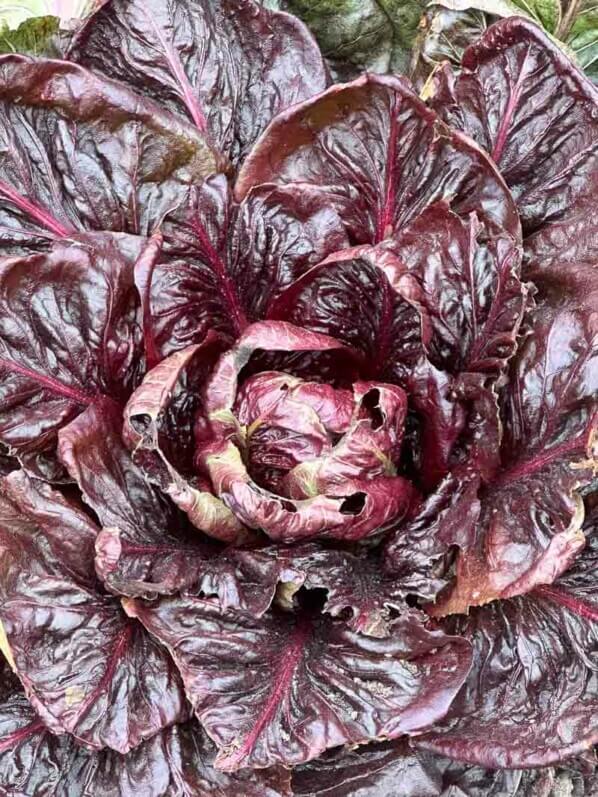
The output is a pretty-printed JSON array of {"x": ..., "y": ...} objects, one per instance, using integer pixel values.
[
  {"x": 371, "y": 404},
  {"x": 288, "y": 506},
  {"x": 141, "y": 423},
  {"x": 311, "y": 600},
  {"x": 354, "y": 504}
]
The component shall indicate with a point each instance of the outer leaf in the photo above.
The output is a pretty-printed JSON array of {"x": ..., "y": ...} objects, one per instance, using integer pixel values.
[
  {"x": 380, "y": 156},
  {"x": 83, "y": 153},
  {"x": 385, "y": 770},
  {"x": 528, "y": 534},
  {"x": 223, "y": 264},
  {"x": 65, "y": 9},
  {"x": 373, "y": 771},
  {"x": 522, "y": 100},
  {"x": 177, "y": 762},
  {"x": 68, "y": 336},
  {"x": 228, "y": 66},
  {"x": 513, "y": 711},
  {"x": 263, "y": 689},
  {"x": 86, "y": 668}
]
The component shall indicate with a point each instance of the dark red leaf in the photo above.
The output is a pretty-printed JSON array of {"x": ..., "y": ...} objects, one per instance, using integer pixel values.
[
  {"x": 357, "y": 588},
  {"x": 389, "y": 769},
  {"x": 176, "y": 762},
  {"x": 471, "y": 289},
  {"x": 284, "y": 688},
  {"x": 528, "y": 534},
  {"x": 84, "y": 153},
  {"x": 522, "y": 99},
  {"x": 86, "y": 668},
  {"x": 381, "y": 157},
  {"x": 69, "y": 336},
  {"x": 532, "y": 696},
  {"x": 418, "y": 553},
  {"x": 228, "y": 65},
  {"x": 224, "y": 264}
]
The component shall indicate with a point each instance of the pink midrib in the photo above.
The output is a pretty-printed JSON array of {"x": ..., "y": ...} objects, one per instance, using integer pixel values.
[
  {"x": 176, "y": 67},
  {"x": 514, "y": 97},
  {"x": 563, "y": 598},
  {"x": 534, "y": 464},
  {"x": 219, "y": 268},
  {"x": 482, "y": 338},
  {"x": 10, "y": 741},
  {"x": 384, "y": 330},
  {"x": 53, "y": 385},
  {"x": 117, "y": 653},
  {"x": 143, "y": 275},
  {"x": 37, "y": 213},
  {"x": 386, "y": 214},
  {"x": 290, "y": 657}
]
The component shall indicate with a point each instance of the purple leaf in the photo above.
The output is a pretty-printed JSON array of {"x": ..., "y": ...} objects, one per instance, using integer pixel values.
[
  {"x": 513, "y": 711},
  {"x": 84, "y": 153},
  {"x": 223, "y": 264},
  {"x": 177, "y": 760},
  {"x": 284, "y": 689},
  {"x": 86, "y": 668},
  {"x": 357, "y": 588},
  {"x": 527, "y": 534},
  {"x": 228, "y": 66},
  {"x": 520, "y": 98},
  {"x": 381, "y": 157},
  {"x": 68, "y": 337}
]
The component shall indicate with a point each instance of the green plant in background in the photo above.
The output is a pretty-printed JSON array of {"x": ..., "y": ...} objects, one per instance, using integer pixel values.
[
  {"x": 33, "y": 26},
  {"x": 410, "y": 36},
  {"x": 573, "y": 23},
  {"x": 33, "y": 36},
  {"x": 357, "y": 35}
]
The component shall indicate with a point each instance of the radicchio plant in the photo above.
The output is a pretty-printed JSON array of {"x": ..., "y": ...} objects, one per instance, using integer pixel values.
[{"x": 298, "y": 401}]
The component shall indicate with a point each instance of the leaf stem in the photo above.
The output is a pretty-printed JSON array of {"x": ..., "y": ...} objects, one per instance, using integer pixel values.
[{"x": 567, "y": 20}]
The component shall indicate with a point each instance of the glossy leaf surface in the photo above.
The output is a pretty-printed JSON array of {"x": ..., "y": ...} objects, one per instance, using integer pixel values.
[
  {"x": 262, "y": 689},
  {"x": 86, "y": 668},
  {"x": 227, "y": 66}
]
